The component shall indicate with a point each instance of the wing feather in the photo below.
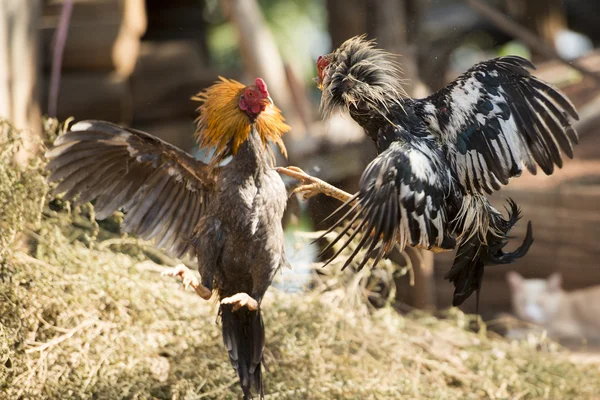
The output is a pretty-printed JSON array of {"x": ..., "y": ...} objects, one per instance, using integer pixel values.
[
  {"x": 497, "y": 118},
  {"x": 400, "y": 201},
  {"x": 162, "y": 189}
]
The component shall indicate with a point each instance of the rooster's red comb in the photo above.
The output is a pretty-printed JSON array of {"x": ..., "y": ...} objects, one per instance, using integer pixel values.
[
  {"x": 322, "y": 62},
  {"x": 262, "y": 86}
]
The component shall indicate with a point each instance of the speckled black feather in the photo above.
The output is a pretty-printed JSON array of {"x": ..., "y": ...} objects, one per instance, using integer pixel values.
[{"x": 440, "y": 155}]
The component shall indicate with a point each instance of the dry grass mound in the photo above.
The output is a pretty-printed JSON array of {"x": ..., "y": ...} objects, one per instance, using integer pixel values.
[{"x": 85, "y": 314}]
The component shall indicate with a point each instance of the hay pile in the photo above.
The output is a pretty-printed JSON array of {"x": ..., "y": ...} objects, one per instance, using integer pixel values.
[{"x": 84, "y": 314}]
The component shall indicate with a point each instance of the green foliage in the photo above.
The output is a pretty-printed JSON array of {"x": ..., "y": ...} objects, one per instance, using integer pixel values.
[{"x": 298, "y": 28}]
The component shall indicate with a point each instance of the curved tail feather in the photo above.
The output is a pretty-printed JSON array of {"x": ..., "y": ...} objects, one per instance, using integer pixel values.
[
  {"x": 473, "y": 255},
  {"x": 244, "y": 337}
]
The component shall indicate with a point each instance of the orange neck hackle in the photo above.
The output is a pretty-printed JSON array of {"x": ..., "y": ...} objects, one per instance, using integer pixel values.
[{"x": 224, "y": 126}]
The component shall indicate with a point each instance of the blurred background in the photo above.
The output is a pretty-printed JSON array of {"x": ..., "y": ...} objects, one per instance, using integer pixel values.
[{"x": 138, "y": 63}]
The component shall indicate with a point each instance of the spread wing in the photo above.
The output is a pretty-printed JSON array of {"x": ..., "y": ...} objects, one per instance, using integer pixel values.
[
  {"x": 400, "y": 200},
  {"x": 496, "y": 118},
  {"x": 162, "y": 188}
]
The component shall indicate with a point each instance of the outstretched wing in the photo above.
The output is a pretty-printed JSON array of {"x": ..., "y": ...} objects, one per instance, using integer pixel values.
[
  {"x": 162, "y": 188},
  {"x": 400, "y": 201},
  {"x": 497, "y": 117}
]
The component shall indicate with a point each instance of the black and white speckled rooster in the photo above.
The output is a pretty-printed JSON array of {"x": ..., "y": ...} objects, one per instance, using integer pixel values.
[{"x": 439, "y": 156}]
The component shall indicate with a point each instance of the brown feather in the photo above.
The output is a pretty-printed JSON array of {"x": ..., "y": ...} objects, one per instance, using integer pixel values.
[{"x": 153, "y": 181}]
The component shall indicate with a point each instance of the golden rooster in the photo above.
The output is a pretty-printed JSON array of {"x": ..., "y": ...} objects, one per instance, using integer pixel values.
[{"x": 229, "y": 217}]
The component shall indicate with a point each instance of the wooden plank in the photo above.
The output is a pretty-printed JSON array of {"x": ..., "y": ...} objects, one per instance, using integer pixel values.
[
  {"x": 177, "y": 20},
  {"x": 179, "y": 132},
  {"x": 582, "y": 194},
  {"x": 101, "y": 46},
  {"x": 83, "y": 11},
  {"x": 579, "y": 269},
  {"x": 166, "y": 76},
  {"x": 94, "y": 96},
  {"x": 130, "y": 13},
  {"x": 566, "y": 220}
]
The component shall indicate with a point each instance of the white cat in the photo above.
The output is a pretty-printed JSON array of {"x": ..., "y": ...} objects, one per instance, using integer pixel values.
[{"x": 563, "y": 314}]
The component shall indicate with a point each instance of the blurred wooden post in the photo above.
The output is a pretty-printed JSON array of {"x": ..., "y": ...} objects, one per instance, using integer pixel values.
[
  {"x": 20, "y": 72},
  {"x": 346, "y": 18}
]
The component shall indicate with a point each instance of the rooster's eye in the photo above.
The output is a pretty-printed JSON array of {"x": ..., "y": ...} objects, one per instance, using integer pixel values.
[{"x": 250, "y": 94}]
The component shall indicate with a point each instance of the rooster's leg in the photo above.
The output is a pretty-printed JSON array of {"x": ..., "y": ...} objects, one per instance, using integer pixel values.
[
  {"x": 189, "y": 279},
  {"x": 312, "y": 186},
  {"x": 240, "y": 300}
]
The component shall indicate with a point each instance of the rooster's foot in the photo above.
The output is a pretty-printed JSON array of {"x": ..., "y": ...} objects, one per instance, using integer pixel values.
[
  {"x": 312, "y": 186},
  {"x": 240, "y": 300},
  {"x": 189, "y": 279}
]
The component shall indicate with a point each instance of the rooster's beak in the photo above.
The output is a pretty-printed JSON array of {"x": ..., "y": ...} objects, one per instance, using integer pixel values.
[
  {"x": 319, "y": 82},
  {"x": 270, "y": 100}
]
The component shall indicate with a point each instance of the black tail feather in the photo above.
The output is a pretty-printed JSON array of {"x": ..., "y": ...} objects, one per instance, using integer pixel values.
[
  {"x": 467, "y": 271},
  {"x": 244, "y": 337},
  {"x": 472, "y": 256},
  {"x": 499, "y": 257}
]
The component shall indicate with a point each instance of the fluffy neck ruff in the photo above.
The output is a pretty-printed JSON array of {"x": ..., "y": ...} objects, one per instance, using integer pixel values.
[
  {"x": 222, "y": 125},
  {"x": 360, "y": 76}
]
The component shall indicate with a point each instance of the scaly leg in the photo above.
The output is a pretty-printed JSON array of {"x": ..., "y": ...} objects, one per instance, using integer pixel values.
[
  {"x": 189, "y": 279},
  {"x": 240, "y": 300},
  {"x": 312, "y": 186}
]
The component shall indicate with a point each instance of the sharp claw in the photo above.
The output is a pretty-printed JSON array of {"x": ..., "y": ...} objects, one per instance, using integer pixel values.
[
  {"x": 240, "y": 300},
  {"x": 169, "y": 272},
  {"x": 308, "y": 191},
  {"x": 188, "y": 279},
  {"x": 296, "y": 169},
  {"x": 301, "y": 188},
  {"x": 296, "y": 173},
  {"x": 312, "y": 186}
]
